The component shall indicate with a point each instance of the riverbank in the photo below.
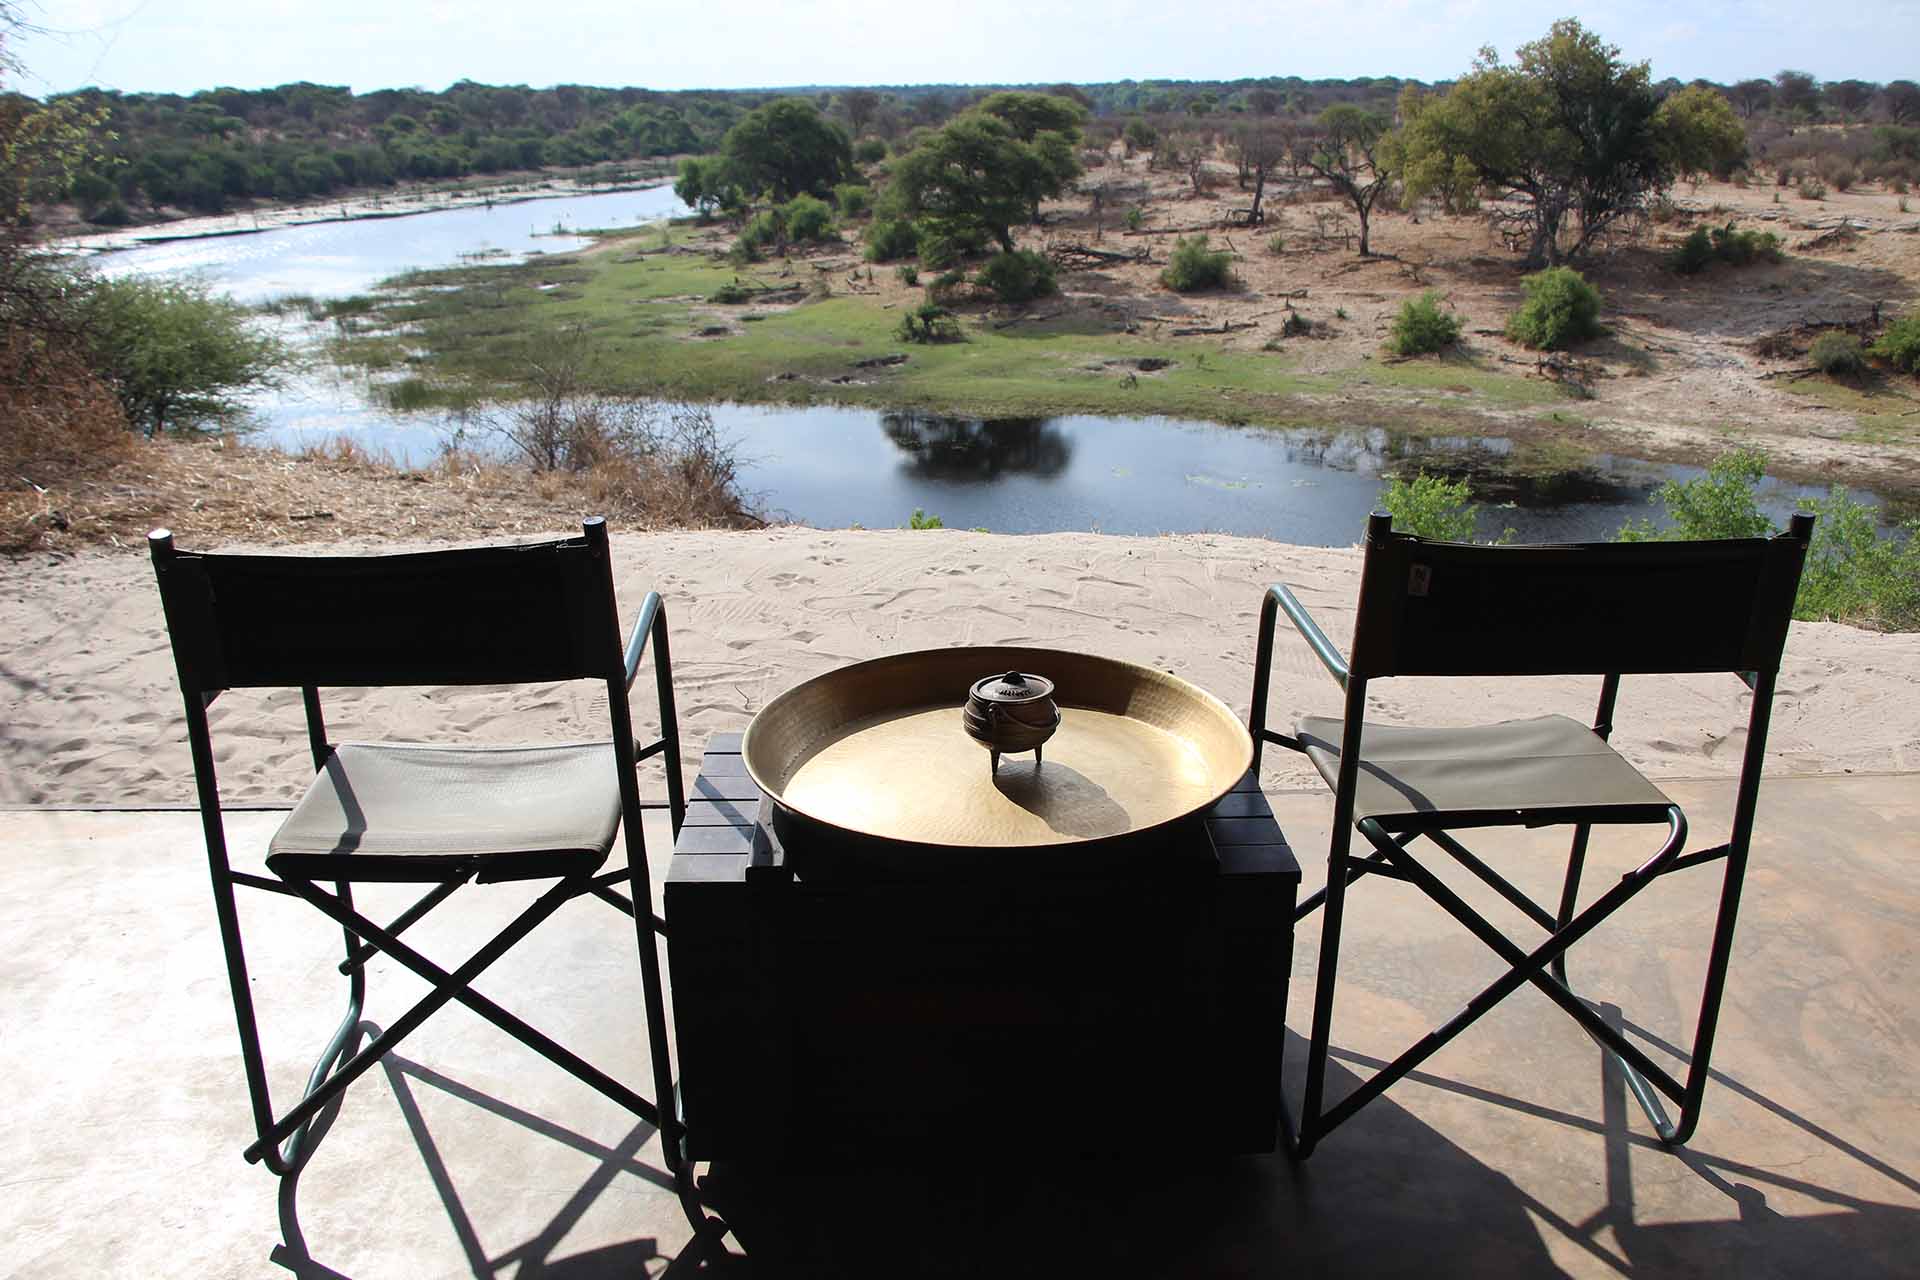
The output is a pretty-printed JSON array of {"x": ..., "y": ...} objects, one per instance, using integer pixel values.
[
  {"x": 1690, "y": 366},
  {"x": 400, "y": 201},
  {"x": 93, "y": 714}
]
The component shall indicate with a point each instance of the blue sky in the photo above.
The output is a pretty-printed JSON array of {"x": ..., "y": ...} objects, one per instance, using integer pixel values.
[{"x": 183, "y": 45}]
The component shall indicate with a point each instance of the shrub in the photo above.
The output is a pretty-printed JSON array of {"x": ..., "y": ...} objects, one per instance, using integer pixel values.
[
  {"x": 1812, "y": 189},
  {"x": 176, "y": 353},
  {"x": 730, "y": 293},
  {"x": 1421, "y": 326},
  {"x": 929, "y": 322},
  {"x": 1136, "y": 218},
  {"x": 808, "y": 219},
  {"x": 1743, "y": 247},
  {"x": 869, "y": 151},
  {"x": 853, "y": 198},
  {"x": 921, "y": 520},
  {"x": 909, "y": 274},
  {"x": 1432, "y": 507},
  {"x": 1843, "y": 176},
  {"x": 1855, "y": 573},
  {"x": 113, "y": 213},
  {"x": 1019, "y": 276},
  {"x": 765, "y": 230},
  {"x": 1719, "y": 504},
  {"x": 1837, "y": 355},
  {"x": 1694, "y": 253},
  {"x": 944, "y": 246},
  {"x": 1276, "y": 244},
  {"x": 1900, "y": 344},
  {"x": 1194, "y": 266},
  {"x": 1561, "y": 309},
  {"x": 891, "y": 238}
]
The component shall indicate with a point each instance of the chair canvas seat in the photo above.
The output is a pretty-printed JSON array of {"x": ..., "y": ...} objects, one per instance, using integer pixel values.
[
  {"x": 1550, "y": 766},
  {"x": 410, "y": 811}
]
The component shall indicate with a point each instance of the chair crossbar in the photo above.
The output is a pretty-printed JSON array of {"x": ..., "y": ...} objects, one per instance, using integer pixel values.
[
  {"x": 649, "y": 751},
  {"x": 1524, "y": 967},
  {"x": 360, "y": 952},
  {"x": 447, "y": 986},
  {"x": 1374, "y": 864},
  {"x": 1494, "y": 880},
  {"x": 265, "y": 883},
  {"x": 451, "y": 987},
  {"x": 1699, "y": 858}
]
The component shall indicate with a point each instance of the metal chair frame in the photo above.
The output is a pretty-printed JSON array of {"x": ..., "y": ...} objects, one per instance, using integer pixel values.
[
  {"x": 206, "y": 599},
  {"x": 1587, "y": 587}
]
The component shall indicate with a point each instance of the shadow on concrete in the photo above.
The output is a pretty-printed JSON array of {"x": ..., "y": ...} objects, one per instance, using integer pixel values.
[
  {"x": 533, "y": 1257},
  {"x": 1388, "y": 1195}
]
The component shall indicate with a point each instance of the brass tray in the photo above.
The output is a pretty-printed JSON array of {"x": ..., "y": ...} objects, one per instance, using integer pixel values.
[{"x": 878, "y": 750}]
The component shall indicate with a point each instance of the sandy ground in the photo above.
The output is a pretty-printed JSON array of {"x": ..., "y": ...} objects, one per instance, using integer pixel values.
[{"x": 90, "y": 713}]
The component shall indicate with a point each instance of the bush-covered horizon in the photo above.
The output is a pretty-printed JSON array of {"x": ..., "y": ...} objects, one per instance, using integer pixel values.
[{"x": 207, "y": 150}]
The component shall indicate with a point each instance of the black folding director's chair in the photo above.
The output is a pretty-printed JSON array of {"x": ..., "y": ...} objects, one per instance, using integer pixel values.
[
  {"x": 1607, "y": 609},
  {"x": 406, "y": 812}
]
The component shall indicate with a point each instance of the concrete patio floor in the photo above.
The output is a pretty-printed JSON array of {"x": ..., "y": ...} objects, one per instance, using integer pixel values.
[{"x": 1513, "y": 1152}]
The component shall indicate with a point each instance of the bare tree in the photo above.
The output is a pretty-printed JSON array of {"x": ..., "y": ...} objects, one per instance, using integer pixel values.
[
  {"x": 1348, "y": 154},
  {"x": 1260, "y": 147}
]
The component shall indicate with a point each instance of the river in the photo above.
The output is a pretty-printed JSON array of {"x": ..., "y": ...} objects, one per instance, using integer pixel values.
[{"x": 832, "y": 466}]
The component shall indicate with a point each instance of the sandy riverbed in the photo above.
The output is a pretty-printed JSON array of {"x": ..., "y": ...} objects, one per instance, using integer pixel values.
[{"x": 90, "y": 713}]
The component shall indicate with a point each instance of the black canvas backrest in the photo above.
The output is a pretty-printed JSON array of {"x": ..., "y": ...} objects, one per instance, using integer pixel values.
[
  {"x": 1443, "y": 608},
  {"x": 484, "y": 615}
]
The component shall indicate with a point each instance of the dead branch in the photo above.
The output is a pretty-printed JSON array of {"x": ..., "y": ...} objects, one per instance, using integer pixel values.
[{"x": 1226, "y": 326}]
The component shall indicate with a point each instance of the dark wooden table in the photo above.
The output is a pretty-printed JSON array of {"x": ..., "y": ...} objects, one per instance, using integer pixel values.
[{"x": 1041, "y": 1012}]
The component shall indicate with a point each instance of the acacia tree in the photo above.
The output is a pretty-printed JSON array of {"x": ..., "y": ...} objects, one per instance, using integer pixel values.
[
  {"x": 859, "y": 105},
  {"x": 1795, "y": 92},
  {"x": 1902, "y": 100},
  {"x": 1751, "y": 96},
  {"x": 980, "y": 177},
  {"x": 1570, "y": 129},
  {"x": 786, "y": 148},
  {"x": 1347, "y": 152}
]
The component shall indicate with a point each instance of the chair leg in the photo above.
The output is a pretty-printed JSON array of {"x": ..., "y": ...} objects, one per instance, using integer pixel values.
[{"x": 1303, "y": 1136}]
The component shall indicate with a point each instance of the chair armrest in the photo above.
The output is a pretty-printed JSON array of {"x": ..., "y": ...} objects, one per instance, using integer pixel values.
[
  {"x": 1309, "y": 630},
  {"x": 651, "y": 614}
]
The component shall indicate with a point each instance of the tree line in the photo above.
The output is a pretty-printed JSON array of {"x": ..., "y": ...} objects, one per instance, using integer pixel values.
[{"x": 210, "y": 151}]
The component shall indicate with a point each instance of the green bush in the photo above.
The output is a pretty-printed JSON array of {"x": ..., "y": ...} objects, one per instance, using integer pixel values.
[
  {"x": 853, "y": 198},
  {"x": 808, "y": 219},
  {"x": 1743, "y": 247},
  {"x": 1194, "y": 266},
  {"x": 731, "y": 293},
  {"x": 113, "y": 213},
  {"x": 921, "y": 520},
  {"x": 1856, "y": 574},
  {"x": 1136, "y": 218},
  {"x": 1019, "y": 276},
  {"x": 929, "y": 322},
  {"x": 1900, "y": 344},
  {"x": 869, "y": 151},
  {"x": 1431, "y": 507},
  {"x": 1421, "y": 326},
  {"x": 765, "y": 230},
  {"x": 944, "y": 246},
  {"x": 1277, "y": 243},
  {"x": 175, "y": 353},
  {"x": 1812, "y": 189},
  {"x": 1724, "y": 244},
  {"x": 1561, "y": 309},
  {"x": 891, "y": 238},
  {"x": 1837, "y": 355},
  {"x": 1719, "y": 504},
  {"x": 1694, "y": 253},
  {"x": 909, "y": 274}
]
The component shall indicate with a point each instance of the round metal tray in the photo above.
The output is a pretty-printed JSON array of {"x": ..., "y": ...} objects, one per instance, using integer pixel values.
[{"x": 878, "y": 750}]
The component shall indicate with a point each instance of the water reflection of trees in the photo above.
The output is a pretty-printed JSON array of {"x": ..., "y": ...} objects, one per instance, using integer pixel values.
[{"x": 975, "y": 449}]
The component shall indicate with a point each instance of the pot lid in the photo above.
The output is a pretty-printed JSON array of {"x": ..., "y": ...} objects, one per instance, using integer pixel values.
[{"x": 1013, "y": 687}]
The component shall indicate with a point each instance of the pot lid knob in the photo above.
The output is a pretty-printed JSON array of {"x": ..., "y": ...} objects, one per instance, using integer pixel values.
[{"x": 1013, "y": 687}]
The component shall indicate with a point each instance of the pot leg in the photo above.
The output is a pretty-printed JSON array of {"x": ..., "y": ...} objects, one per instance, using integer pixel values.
[
  {"x": 1038, "y": 760},
  {"x": 994, "y": 754}
]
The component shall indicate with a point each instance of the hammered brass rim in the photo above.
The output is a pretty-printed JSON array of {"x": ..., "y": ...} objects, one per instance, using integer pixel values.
[{"x": 868, "y": 749}]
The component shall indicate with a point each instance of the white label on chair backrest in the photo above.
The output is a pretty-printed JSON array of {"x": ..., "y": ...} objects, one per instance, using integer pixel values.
[{"x": 1419, "y": 579}]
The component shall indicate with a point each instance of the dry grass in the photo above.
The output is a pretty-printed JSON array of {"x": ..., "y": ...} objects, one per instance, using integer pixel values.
[{"x": 214, "y": 493}]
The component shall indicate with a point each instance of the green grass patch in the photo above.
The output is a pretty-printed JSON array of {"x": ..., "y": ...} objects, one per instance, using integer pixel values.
[{"x": 1882, "y": 414}]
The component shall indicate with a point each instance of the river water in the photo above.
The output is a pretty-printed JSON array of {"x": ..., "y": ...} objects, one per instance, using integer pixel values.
[{"x": 832, "y": 466}]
